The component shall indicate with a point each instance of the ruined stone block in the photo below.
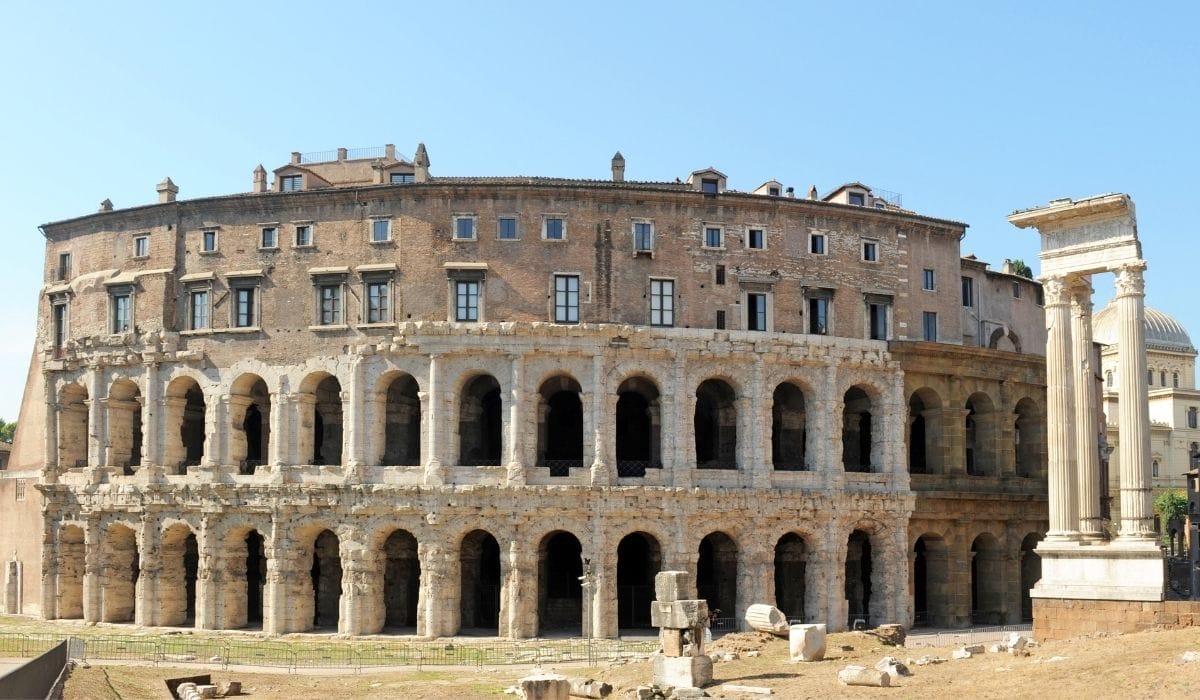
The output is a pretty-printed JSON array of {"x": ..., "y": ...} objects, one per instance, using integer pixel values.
[
  {"x": 670, "y": 586},
  {"x": 679, "y": 614},
  {"x": 807, "y": 642},
  {"x": 682, "y": 672}
]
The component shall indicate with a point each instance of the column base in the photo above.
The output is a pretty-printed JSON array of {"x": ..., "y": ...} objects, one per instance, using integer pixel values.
[{"x": 1112, "y": 571}]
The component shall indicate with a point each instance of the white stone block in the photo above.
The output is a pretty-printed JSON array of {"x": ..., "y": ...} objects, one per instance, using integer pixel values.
[
  {"x": 807, "y": 642},
  {"x": 670, "y": 586},
  {"x": 861, "y": 675},
  {"x": 681, "y": 672}
]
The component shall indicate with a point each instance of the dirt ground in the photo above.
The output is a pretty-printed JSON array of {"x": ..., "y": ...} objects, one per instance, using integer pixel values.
[{"x": 1143, "y": 665}]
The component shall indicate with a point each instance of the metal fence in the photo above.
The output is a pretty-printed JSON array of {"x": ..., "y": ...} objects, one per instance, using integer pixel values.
[
  {"x": 970, "y": 635},
  {"x": 185, "y": 650}
]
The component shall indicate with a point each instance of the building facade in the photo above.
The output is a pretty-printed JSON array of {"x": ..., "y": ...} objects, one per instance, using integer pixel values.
[{"x": 364, "y": 398}]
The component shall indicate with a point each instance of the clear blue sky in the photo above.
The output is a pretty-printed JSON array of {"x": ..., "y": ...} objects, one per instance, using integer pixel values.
[{"x": 969, "y": 111}]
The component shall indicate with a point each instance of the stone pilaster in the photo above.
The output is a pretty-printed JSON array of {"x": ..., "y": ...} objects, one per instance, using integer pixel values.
[
  {"x": 1060, "y": 413},
  {"x": 93, "y": 571},
  {"x": 147, "y": 608},
  {"x": 520, "y": 591},
  {"x": 681, "y": 427},
  {"x": 361, "y": 608},
  {"x": 516, "y": 413},
  {"x": 1137, "y": 516},
  {"x": 151, "y": 411},
  {"x": 97, "y": 453},
  {"x": 1087, "y": 428},
  {"x": 281, "y": 409},
  {"x": 603, "y": 468},
  {"x": 356, "y": 437},
  {"x": 432, "y": 415},
  {"x": 211, "y": 579}
]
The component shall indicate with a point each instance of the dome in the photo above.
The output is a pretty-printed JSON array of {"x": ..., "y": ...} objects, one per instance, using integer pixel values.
[{"x": 1162, "y": 331}]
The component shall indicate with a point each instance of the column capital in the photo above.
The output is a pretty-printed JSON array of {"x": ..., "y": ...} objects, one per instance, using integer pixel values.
[
  {"x": 1130, "y": 280},
  {"x": 1057, "y": 290}
]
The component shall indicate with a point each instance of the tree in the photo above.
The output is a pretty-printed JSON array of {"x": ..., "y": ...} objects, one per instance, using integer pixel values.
[
  {"x": 1020, "y": 268},
  {"x": 1170, "y": 505},
  {"x": 7, "y": 430}
]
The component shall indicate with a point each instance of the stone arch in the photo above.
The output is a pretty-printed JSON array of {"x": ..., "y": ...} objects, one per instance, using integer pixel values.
[
  {"x": 987, "y": 577},
  {"x": 124, "y": 425},
  {"x": 401, "y": 580},
  {"x": 862, "y": 572},
  {"x": 560, "y": 425},
  {"x": 245, "y": 553},
  {"x": 932, "y": 596},
  {"x": 716, "y": 579},
  {"x": 1031, "y": 572},
  {"x": 69, "y": 569},
  {"x": 560, "y": 594},
  {"x": 979, "y": 435},
  {"x": 1004, "y": 339},
  {"x": 639, "y": 558},
  {"x": 180, "y": 560},
  {"x": 320, "y": 434},
  {"x": 715, "y": 424},
  {"x": 120, "y": 568},
  {"x": 479, "y": 581},
  {"x": 1029, "y": 438},
  {"x": 789, "y": 434},
  {"x": 862, "y": 450},
  {"x": 925, "y": 434},
  {"x": 73, "y": 431},
  {"x": 185, "y": 424},
  {"x": 399, "y": 395},
  {"x": 638, "y": 426},
  {"x": 480, "y": 422},
  {"x": 791, "y": 578},
  {"x": 323, "y": 602},
  {"x": 249, "y": 422}
]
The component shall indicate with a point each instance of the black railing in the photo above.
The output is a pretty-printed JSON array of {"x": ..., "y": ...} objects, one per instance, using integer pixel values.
[
  {"x": 247, "y": 467},
  {"x": 480, "y": 462},
  {"x": 561, "y": 467},
  {"x": 718, "y": 464},
  {"x": 723, "y": 624},
  {"x": 790, "y": 465},
  {"x": 635, "y": 467}
]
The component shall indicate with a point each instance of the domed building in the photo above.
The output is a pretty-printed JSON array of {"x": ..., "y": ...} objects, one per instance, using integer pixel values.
[{"x": 1174, "y": 399}]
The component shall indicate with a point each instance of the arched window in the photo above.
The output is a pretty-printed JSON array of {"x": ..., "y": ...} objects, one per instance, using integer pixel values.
[
  {"x": 1155, "y": 468},
  {"x": 1162, "y": 378},
  {"x": 1150, "y": 377},
  {"x": 1108, "y": 379},
  {"x": 1175, "y": 380}
]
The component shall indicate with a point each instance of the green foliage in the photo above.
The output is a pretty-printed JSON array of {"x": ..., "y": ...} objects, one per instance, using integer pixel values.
[
  {"x": 1169, "y": 505},
  {"x": 1020, "y": 268},
  {"x": 7, "y": 430}
]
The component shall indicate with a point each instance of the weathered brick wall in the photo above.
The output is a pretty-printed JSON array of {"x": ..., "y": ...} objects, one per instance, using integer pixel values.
[{"x": 1055, "y": 618}]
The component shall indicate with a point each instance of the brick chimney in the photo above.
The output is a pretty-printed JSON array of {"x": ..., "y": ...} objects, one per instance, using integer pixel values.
[
  {"x": 812, "y": 192},
  {"x": 618, "y": 167},
  {"x": 421, "y": 163},
  {"x": 167, "y": 191},
  {"x": 260, "y": 179}
]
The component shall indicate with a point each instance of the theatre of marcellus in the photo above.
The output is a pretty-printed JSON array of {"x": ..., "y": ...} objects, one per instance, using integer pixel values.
[{"x": 366, "y": 399}]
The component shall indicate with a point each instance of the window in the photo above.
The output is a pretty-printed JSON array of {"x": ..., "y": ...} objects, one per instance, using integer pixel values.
[
  {"x": 1039, "y": 295},
  {"x": 379, "y": 294},
  {"x": 662, "y": 302},
  {"x": 269, "y": 237},
  {"x": 870, "y": 251},
  {"x": 554, "y": 228},
  {"x": 208, "y": 241},
  {"x": 59, "y": 313},
  {"x": 968, "y": 291},
  {"x": 401, "y": 178},
  {"x": 19, "y": 491},
  {"x": 141, "y": 246},
  {"x": 506, "y": 228},
  {"x": 64, "y": 266},
  {"x": 1191, "y": 417},
  {"x": 756, "y": 312},
  {"x": 466, "y": 300},
  {"x": 929, "y": 280},
  {"x": 754, "y": 239},
  {"x": 243, "y": 307},
  {"x": 566, "y": 298},
  {"x": 712, "y": 237},
  {"x": 818, "y": 315},
  {"x": 1162, "y": 378},
  {"x": 1016, "y": 290},
  {"x": 858, "y": 199},
  {"x": 381, "y": 230},
  {"x": 643, "y": 236},
  {"x": 1108, "y": 378},
  {"x": 720, "y": 319},
  {"x": 304, "y": 235},
  {"x": 1150, "y": 377},
  {"x": 720, "y": 275},
  {"x": 877, "y": 318},
  {"x": 930, "y": 326},
  {"x": 708, "y": 185},
  {"x": 331, "y": 304},
  {"x": 122, "y": 312},
  {"x": 198, "y": 309},
  {"x": 773, "y": 191},
  {"x": 1175, "y": 380},
  {"x": 291, "y": 183},
  {"x": 464, "y": 227},
  {"x": 1154, "y": 468},
  {"x": 816, "y": 244}
]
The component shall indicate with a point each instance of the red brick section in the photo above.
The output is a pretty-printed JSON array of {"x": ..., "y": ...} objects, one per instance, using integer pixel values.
[{"x": 1063, "y": 619}]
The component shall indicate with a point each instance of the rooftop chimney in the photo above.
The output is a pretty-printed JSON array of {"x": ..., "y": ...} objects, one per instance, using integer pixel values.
[
  {"x": 341, "y": 154},
  {"x": 421, "y": 163},
  {"x": 106, "y": 205},
  {"x": 389, "y": 151},
  {"x": 295, "y": 157},
  {"x": 791, "y": 192},
  {"x": 1007, "y": 268},
  {"x": 167, "y": 191},
  {"x": 618, "y": 167},
  {"x": 260, "y": 179},
  {"x": 812, "y": 192}
]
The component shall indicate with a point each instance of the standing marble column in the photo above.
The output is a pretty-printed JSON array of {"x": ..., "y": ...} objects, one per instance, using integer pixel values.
[
  {"x": 1137, "y": 517},
  {"x": 1087, "y": 433},
  {"x": 1060, "y": 413}
]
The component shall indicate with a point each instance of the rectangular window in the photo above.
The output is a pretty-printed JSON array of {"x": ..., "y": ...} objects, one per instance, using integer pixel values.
[
  {"x": 506, "y": 228},
  {"x": 60, "y": 325},
  {"x": 720, "y": 275},
  {"x": 643, "y": 236},
  {"x": 554, "y": 229},
  {"x": 243, "y": 309},
  {"x": 122, "y": 313},
  {"x": 712, "y": 237},
  {"x": 209, "y": 241},
  {"x": 269, "y": 237},
  {"x": 19, "y": 491},
  {"x": 199, "y": 310},
  {"x": 464, "y": 228},
  {"x": 818, "y": 316},
  {"x": 708, "y": 185},
  {"x": 662, "y": 302},
  {"x": 858, "y": 199},
  {"x": 930, "y": 326},
  {"x": 331, "y": 304},
  {"x": 720, "y": 319},
  {"x": 304, "y": 235},
  {"x": 878, "y": 313},
  {"x": 816, "y": 244},
  {"x": 870, "y": 251},
  {"x": 1016, "y": 290},
  {"x": 291, "y": 183},
  {"x": 64, "y": 266},
  {"x": 1191, "y": 417},
  {"x": 466, "y": 300},
  {"x": 968, "y": 291},
  {"x": 401, "y": 178},
  {"x": 381, "y": 230},
  {"x": 756, "y": 312},
  {"x": 566, "y": 299},
  {"x": 1039, "y": 295},
  {"x": 141, "y": 246},
  {"x": 929, "y": 280},
  {"x": 754, "y": 239},
  {"x": 378, "y": 302}
]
